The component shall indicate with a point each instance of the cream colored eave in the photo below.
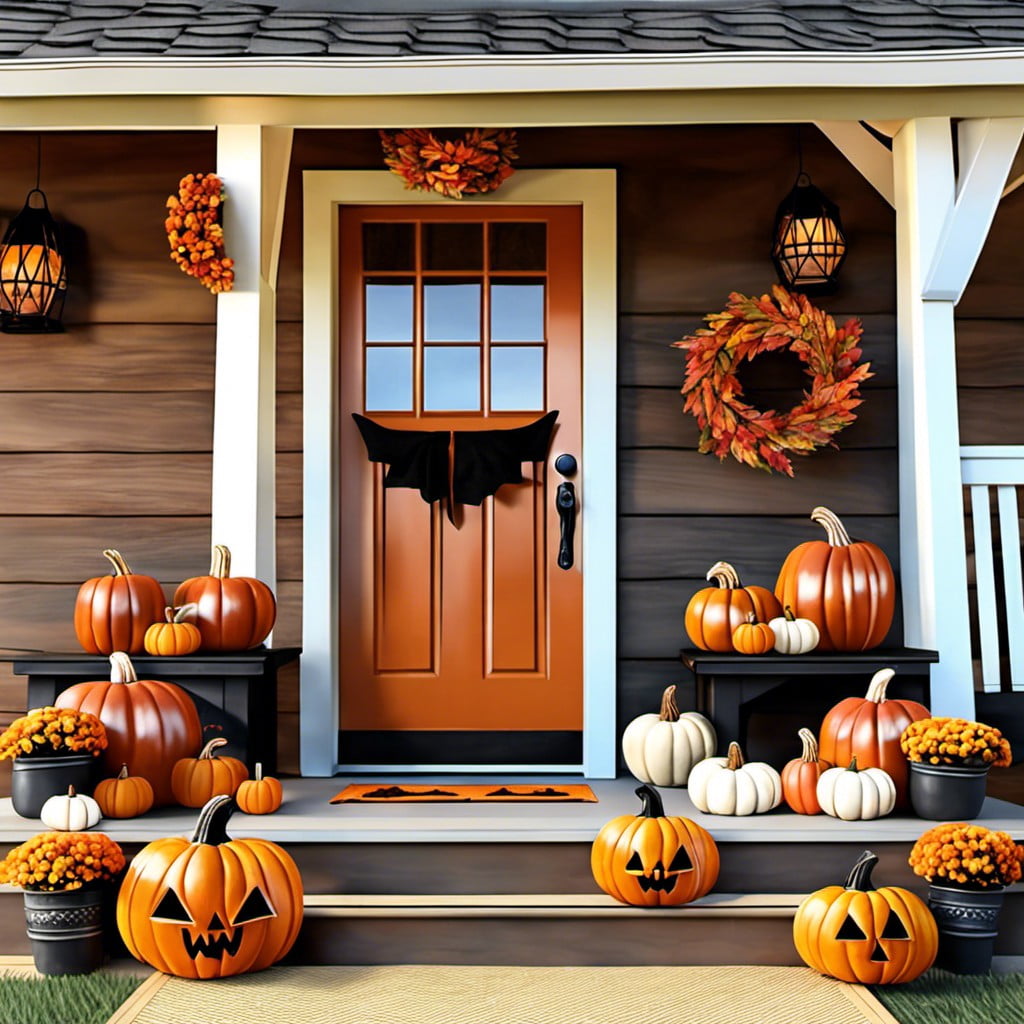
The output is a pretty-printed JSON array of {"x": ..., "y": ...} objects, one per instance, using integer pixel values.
[{"x": 523, "y": 90}]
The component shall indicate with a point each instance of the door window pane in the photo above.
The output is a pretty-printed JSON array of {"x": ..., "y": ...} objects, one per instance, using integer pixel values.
[
  {"x": 389, "y": 378},
  {"x": 389, "y": 311},
  {"x": 517, "y": 311},
  {"x": 517, "y": 378},
  {"x": 517, "y": 246},
  {"x": 453, "y": 246},
  {"x": 451, "y": 311},
  {"x": 451, "y": 378},
  {"x": 389, "y": 246}
]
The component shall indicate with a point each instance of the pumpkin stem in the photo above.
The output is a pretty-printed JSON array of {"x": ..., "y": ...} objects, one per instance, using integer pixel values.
[
  {"x": 117, "y": 561},
  {"x": 182, "y": 612},
  {"x": 220, "y": 566},
  {"x": 121, "y": 668},
  {"x": 859, "y": 877},
  {"x": 810, "y": 754},
  {"x": 652, "y": 805},
  {"x": 788, "y": 613},
  {"x": 259, "y": 771},
  {"x": 71, "y": 790},
  {"x": 879, "y": 681},
  {"x": 669, "y": 709},
  {"x": 833, "y": 526},
  {"x": 208, "y": 751},
  {"x": 211, "y": 828},
  {"x": 852, "y": 766},
  {"x": 735, "y": 759},
  {"x": 123, "y": 773},
  {"x": 724, "y": 575}
]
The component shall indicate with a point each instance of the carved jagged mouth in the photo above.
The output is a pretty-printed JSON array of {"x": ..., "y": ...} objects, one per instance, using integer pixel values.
[
  {"x": 214, "y": 947},
  {"x": 666, "y": 883}
]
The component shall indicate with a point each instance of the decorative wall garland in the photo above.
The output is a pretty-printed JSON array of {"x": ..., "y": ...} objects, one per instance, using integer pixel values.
[
  {"x": 746, "y": 328},
  {"x": 477, "y": 162},
  {"x": 195, "y": 234}
]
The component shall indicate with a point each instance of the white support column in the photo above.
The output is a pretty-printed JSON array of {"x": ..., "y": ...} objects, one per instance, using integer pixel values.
[
  {"x": 252, "y": 161},
  {"x": 933, "y": 240}
]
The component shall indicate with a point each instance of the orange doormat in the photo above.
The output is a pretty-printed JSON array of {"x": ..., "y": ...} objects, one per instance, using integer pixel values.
[{"x": 382, "y": 793}]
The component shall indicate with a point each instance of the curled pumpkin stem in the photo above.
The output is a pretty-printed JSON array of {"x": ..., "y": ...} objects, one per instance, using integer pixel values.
[
  {"x": 724, "y": 575},
  {"x": 208, "y": 751},
  {"x": 220, "y": 566},
  {"x": 833, "y": 526},
  {"x": 810, "y": 754},
  {"x": 121, "y": 668},
  {"x": 669, "y": 709},
  {"x": 116, "y": 559},
  {"x": 735, "y": 758},
  {"x": 879, "y": 681}
]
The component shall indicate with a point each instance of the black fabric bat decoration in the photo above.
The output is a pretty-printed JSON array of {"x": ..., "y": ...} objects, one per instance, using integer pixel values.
[{"x": 482, "y": 460}]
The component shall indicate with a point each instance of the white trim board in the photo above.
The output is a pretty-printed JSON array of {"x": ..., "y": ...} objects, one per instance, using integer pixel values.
[{"x": 323, "y": 192}]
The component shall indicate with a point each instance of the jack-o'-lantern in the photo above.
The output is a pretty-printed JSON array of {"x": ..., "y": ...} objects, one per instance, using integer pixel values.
[
  {"x": 212, "y": 907},
  {"x": 857, "y": 933},
  {"x": 650, "y": 860}
]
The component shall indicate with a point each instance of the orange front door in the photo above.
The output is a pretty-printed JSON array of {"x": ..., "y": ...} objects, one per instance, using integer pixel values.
[{"x": 459, "y": 641}]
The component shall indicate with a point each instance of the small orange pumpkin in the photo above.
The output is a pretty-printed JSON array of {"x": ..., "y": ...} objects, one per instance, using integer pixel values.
[
  {"x": 714, "y": 613},
  {"x": 753, "y": 637},
  {"x": 800, "y": 777},
  {"x": 125, "y": 796},
  {"x": 175, "y": 637},
  {"x": 196, "y": 780},
  {"x": 260, "y": 795}
]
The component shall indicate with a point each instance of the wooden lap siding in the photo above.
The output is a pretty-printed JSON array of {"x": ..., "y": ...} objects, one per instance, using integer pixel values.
[{"x": 105, "y": 431}]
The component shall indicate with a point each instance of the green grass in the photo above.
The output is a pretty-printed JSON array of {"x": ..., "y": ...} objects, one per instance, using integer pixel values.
[
  {"x": 64, "y": 999},
  {"x": 938, "y": 996}
]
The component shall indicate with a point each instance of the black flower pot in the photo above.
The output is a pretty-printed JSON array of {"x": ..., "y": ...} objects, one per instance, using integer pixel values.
[
  {"x": 946, "y": 792},
  {"x": 968, "y": 923},
  {"x": 35, "y": 779},
  {"x": 66, "y": 930}
]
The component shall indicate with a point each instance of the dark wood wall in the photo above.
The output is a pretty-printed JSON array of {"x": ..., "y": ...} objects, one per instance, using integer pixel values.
[{"x": 105, "y": 431}]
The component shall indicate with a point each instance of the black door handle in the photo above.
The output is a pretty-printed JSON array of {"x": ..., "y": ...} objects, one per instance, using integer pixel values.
[{"x": 565, "y": 502}]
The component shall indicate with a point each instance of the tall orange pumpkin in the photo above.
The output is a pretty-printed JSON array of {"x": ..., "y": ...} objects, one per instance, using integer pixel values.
[
  {"x": 846, "y": 588},
  {"x": 800, "y": 777},
  {"x": 213, "y": 907},
  {"x": 233, "y": 613},
  {"x": 149, "y": 723},
  {"x": 112, "y": 613},
  {"x": 869, "y": 728},
  {"x": 715, "y": 613}
]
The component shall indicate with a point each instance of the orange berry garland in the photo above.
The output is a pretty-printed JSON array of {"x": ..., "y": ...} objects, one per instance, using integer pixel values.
[
  {"x": 965, "y": 855},
  {"x": 478, "y": 162},
  {"x": 955, "y": 741},
  {"x": 50, "y": 731},
  {"x": 748, "y": 327},
  {"x": 194, "y": 232},
  {"x": 62, "y": 860}
]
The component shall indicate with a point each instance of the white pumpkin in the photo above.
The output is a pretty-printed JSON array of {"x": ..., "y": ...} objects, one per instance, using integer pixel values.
[
  {"x": 661, "y": 749},
  {"x": 70, "y": 812},
  {"x": 725, "y": 785},
  {"x": 856, "y": 794},
  {"x": 793, "y": 635}
]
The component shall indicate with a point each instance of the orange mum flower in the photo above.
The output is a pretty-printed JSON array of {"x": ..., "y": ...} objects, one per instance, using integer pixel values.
[{"x": 194, "y": 233}]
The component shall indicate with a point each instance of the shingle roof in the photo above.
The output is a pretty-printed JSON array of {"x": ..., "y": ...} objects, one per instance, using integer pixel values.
[{"x": 393, "y": 28}]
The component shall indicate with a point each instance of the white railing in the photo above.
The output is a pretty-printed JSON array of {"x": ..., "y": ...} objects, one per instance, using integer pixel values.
[{"x": 1000, "y": 467}]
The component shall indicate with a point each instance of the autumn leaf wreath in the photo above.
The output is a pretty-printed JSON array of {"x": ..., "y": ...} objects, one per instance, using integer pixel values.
[{"x": 746, "y": 328}]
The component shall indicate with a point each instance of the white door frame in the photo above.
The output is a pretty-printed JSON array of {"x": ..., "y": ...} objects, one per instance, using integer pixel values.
[{"x": 323, "y": 193}]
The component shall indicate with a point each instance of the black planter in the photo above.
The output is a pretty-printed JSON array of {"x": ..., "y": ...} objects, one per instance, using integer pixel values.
[
  {"x": 947, "y": 792},
  {"x": 66, "y": 930},
  {"x": 968, "y": 923},
  {"x": 35, "y": 779}
]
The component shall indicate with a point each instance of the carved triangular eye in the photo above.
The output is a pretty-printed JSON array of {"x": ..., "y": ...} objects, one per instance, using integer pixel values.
[
  {"x": 681, "y": 861},
  {"x": 170, "y": 908},
  {"x": 635, "y": 866},
  {"x": 255, "y": 908},
  {"x": 894, "y": 928},
  {"x": 850, "y": 931}
]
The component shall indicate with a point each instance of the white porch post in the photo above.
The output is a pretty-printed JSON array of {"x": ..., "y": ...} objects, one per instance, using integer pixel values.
[
  {"x": 941, "y": 225},
  {"x": 252, "y": 161}
]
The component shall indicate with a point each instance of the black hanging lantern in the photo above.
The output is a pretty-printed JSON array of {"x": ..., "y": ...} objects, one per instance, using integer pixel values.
[
  {"x": 33, "y": 277},
  {"x": 808, "y": 244}
]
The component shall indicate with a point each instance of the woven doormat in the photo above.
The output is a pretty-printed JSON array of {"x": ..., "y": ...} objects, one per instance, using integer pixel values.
[
  {"x": 383, "y": 793},
  {"x": 508, "y": 995}
]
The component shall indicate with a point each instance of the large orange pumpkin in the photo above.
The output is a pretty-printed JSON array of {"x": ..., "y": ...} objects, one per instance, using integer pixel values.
[
  {"x": 195, "y": 780},
  {"x": 800, "y": 777},
  {"x": 150, "y": 723},
  {"x": 869, "y": 728},
  {"x": 212, "y": 907},
  {"x": 650, "y": 860},
  {"x": 846, "y": 588},
  {"x": 714, "y": 613},
  {"x": 857, "y": 933},
  {"x": 112, "y": 613},
  {"x": 234, "y": 612}
]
